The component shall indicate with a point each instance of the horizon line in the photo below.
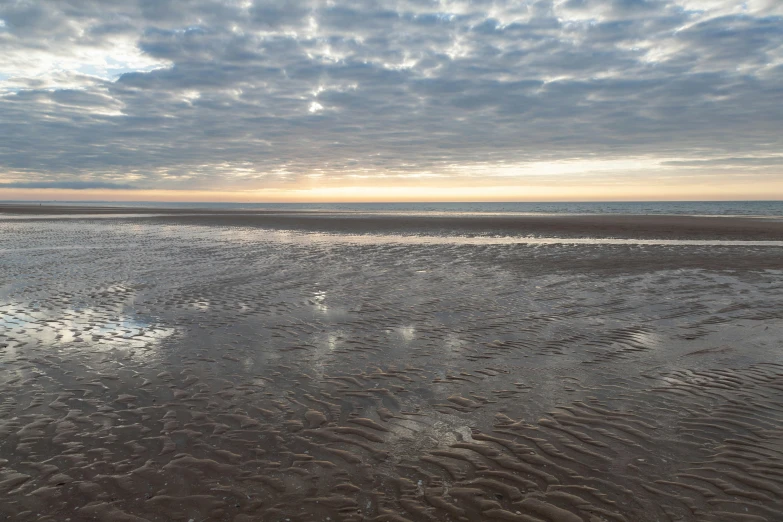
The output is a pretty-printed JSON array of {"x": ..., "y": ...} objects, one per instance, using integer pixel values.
[{"x": 391, "y": 202}]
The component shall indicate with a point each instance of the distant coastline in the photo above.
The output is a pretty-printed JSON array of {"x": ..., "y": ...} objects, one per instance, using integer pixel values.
[{"x": 772, "y": 208}]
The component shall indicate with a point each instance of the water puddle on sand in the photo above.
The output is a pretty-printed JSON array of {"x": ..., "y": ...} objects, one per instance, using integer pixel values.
[
  {"x": 77, "y": 329},
  {"x": 296, "y": 236}
]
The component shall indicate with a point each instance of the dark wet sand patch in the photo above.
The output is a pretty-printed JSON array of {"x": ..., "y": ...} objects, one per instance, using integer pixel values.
[{"x": 573, "y": 226}]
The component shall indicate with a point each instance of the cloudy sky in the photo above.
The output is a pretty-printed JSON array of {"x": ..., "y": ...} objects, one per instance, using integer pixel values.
[{"x": 391, "y": 100}]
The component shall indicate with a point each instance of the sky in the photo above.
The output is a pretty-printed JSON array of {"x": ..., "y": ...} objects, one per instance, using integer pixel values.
[{"x": 396, "y": 100}]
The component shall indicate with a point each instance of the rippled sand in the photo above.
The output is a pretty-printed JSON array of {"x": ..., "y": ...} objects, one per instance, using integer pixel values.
[{"x": 202, "y": 368}]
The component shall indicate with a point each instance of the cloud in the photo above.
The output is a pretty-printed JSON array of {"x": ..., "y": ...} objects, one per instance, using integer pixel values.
[
  {"x": 69, "y": 185},
  {"x": 750, "y": 162},
  {"x": 251, "y": 94}
]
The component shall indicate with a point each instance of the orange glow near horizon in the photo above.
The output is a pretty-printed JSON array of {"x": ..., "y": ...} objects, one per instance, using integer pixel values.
[
  {"x": 644, "y": 178},
  {"x": 422, "y": 193}
]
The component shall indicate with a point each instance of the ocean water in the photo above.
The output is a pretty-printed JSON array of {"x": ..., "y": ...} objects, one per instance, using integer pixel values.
[{"x": 699, "y": 208}]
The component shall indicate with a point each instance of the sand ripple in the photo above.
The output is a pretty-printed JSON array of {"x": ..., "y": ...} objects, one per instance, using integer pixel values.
[{"x": 173, "y": 372}]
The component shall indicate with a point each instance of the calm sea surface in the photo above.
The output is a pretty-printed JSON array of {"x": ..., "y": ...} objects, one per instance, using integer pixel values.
[{"x": 710, "y": 208}]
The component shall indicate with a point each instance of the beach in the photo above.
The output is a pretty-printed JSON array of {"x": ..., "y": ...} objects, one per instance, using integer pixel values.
[{"x": 180, "y": 364}]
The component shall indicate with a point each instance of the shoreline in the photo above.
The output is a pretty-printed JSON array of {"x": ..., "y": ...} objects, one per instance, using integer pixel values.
[{"x": 600, "y": 226}]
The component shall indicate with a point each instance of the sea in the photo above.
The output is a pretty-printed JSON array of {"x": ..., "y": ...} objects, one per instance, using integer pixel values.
[{"x": 693, "y": 208}]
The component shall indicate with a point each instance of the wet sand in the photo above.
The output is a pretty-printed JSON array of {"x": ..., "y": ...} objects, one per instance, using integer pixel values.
[
  {"x": 268, "y": 367},
  {"x": 583, "y": 226}
]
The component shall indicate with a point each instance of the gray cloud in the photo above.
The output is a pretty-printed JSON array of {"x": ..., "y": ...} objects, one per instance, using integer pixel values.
[
  {"x": 71, "y": 185},
  {"x": 773, "y": 161},
  {"x": 207, "y": 93}
]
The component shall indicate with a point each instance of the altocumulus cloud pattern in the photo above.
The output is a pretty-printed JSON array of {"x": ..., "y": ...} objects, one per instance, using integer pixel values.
[{"x": 204, "y": 93}]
